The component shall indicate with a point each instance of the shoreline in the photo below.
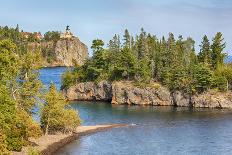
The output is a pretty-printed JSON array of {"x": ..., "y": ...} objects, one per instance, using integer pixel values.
[
  {"x": 50, "y": 144},
  {"x": 125, "y": 93}
]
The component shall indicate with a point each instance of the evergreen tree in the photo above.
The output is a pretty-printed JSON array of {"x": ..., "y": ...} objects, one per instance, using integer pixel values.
[
  {"x": 142, "y": 48},
  {"x": 114, "y": 44},
  {"x": 55, "y": 117},
  {"x": 170, "y": 52},
  {"x": 205, "y": 54},
  {"x": 171, "y": 62},
  {"x": 124, "y": 68},
  {"x": 217, "y": 50},
  {"x": 97, "y": 46},
  {"x": 127, "y": 39},
  {"x": 99, "y": 62}
]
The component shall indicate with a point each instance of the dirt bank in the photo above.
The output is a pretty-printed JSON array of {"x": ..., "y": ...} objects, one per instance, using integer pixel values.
[{"x": 49, "y": 144}]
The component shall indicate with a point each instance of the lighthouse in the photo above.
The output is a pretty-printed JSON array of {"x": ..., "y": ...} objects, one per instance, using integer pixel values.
[{"x": 67, "y": 34}]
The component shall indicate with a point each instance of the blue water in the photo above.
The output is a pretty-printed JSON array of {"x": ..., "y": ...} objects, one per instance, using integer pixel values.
[
  {"x": 52, "y": 75},
  {"x": 159, "y": 130}
]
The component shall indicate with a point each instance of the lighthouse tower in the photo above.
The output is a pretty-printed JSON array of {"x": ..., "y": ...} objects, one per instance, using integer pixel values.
[{"x": 67, "y": 34}]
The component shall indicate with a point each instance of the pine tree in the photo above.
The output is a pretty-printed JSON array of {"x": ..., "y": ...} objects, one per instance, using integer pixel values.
[
  {"x": 170, "y": 52},
  {"x": 54, "y": 116},
  {"x": 142, "y": 48},
  {"x": 114, "y": 44},
  {"x": 127, "y": 39},
  {"x": 205, "y": 54},
  {"x": 217, "y": 50},
  {"x": 190, "y": 57}
]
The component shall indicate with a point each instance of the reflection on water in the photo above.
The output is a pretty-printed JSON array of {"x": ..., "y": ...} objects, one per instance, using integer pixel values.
[{"x": 158, "y": 130}]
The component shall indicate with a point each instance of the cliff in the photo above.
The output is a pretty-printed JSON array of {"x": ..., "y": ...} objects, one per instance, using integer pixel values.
[
  {"x": 69, "y": 52},
  {"x": 157, "y": 95},
  {"x": 63, "y": 52}
]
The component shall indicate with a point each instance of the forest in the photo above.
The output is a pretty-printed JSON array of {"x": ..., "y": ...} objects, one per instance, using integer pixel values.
[
  {"x": 143, "y": 59},
  {"x": 170, "y": 61},
  {"x": 21, "y": 92},
  {"x": 24, "y": 40}
]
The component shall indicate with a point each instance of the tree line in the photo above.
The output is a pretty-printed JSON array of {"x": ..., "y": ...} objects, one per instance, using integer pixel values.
[
  {"x": 21, "y": 91},
  {"x": 23, "y": 40},
  {"x": 170, "y": 61}
]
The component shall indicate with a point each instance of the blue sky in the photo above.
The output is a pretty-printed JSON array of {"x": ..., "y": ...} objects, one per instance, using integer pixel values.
[{"x": 90, "y": 19}]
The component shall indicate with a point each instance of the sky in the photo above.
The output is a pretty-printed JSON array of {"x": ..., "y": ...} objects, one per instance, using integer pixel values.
[{"x": 101, "y": 19}]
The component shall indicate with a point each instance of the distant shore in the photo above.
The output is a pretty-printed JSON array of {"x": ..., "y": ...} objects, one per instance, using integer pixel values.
[{"x": 49, "y": 144}]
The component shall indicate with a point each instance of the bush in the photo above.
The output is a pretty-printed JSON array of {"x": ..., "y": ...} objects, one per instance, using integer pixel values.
[
  {"x": 33, "y": 151},
  {"x": 3, "y": 145},
  {"x": 220, "y": 82},
  {"x": 202, "y": 77},
  {"x": 226, "y": 72},
  {"x": 55, "y": 117}
]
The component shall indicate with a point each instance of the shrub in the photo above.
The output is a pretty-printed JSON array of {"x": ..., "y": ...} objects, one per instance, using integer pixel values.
[
  {"x": 55, "y": 117},
  {"x": 220, "y": 82}
]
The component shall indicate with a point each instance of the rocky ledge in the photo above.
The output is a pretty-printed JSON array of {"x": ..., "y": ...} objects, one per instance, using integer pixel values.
[{"x": 126, "y": 93}]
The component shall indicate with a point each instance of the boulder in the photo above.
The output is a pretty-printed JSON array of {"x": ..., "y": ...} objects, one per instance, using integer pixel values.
[{"x": 181, "y": 100}]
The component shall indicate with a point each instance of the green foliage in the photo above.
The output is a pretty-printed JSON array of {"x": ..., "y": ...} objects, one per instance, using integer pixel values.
[
  {"x": 52, "y": 36},
  {"x": 3, "y": 145},
  {"x": 202, "y": 76},
  {"x": 205, "y": 55},
  {"x": 123, "y": 66},
  {"x": 217, "y": 50},
  {"x": 54, "y": 116},
  {"x": 172, "y": 62},
  {"x": 33, "y": 151},
  {"x": 10, "y": 33},
  {"x": 220, "y": 82},
  {"x": 69, "y": 78},
  {"x": 9, "y": 61},
  {"x": 142, "y": 71},
  {"x": 18, "y": 86},
  {"x": 225, "y": 74}
]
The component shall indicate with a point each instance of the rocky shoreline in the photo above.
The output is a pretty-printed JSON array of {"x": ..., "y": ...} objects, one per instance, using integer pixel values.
[
  {"x": 124, "y": 92},
  {"x": 49, "y": 144}
]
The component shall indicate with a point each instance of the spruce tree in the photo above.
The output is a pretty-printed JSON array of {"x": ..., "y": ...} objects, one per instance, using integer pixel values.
[
  {"x": 217, "y": 48},
  {"x": 55, "y": 117},
  {"x": 205, "y": 54},
  {"x": 127, "y": 39}
]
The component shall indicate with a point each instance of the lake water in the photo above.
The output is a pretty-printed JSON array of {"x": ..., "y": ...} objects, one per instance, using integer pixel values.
[{"x": 158, "y": 130}]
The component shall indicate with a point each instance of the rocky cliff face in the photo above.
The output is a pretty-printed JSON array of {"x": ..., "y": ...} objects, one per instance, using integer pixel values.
[
  {"x": 64, "y": 52},
  {"x": 69, "y": 52},
  {"x": 127, "y": 93},
  {"x": 213, "y": 99},
  {"x": 119, "y": 93},
  {"x": 90, "y": 91}
]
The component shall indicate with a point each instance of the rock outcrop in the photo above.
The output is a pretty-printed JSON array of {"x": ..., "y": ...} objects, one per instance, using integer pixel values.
[
  {"x": 127, "y": 93},
  {"x": 181, "y": 100},
  {"x": 119, "y": 93},
  {"x": 90, "y": 91},
  {"x": 64, "y": 52},
  {"x": 69, "y": 52},
  {"x": 213, "y": 99}
]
